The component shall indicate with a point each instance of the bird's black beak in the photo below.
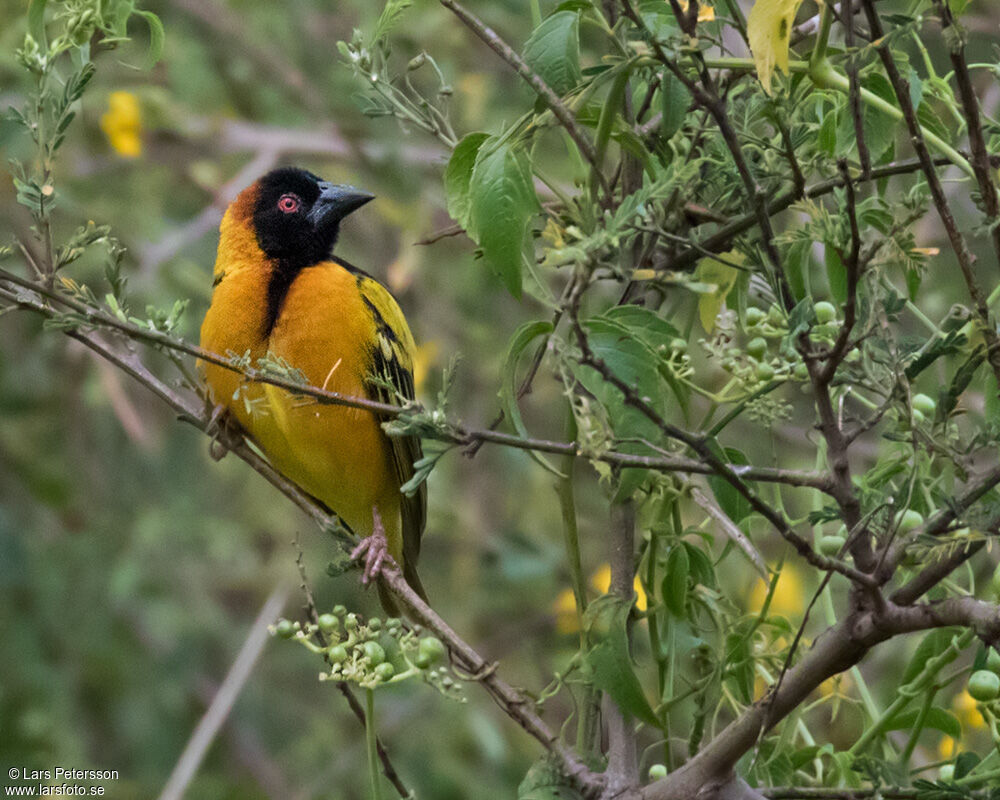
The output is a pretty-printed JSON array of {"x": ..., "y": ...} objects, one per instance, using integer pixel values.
[{"x": 335, "y": 202}]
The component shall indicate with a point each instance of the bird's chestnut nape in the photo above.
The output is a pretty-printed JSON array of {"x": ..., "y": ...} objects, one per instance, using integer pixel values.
[{"x": 297, "y": 216}]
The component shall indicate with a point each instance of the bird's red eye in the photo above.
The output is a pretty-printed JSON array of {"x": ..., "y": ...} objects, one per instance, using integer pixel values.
[{"x": 288, "y": 203}]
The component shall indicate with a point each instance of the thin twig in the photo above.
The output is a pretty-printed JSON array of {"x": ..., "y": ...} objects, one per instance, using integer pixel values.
[
  {"x": 533, "y": 79},
  {"x": 215, "y": 716}
]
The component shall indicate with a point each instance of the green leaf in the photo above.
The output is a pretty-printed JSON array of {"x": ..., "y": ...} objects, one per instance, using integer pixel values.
[
  {"x": 827, "y": 140},
  {"x": 657, "y": 334},
  {"x": 36, "y": 21},
  {"x": 675, "y": 580},
  {"x": 389, "y": 17},
  {"x": 937, "y": 718},
  {"x": 931, "y": 646},
  {"x": 501, "y": 202},
  {"x": 992, "y": 397},
  {"x": 523, "y": 336},
  {"x": 156, "y": 37},
  {"x": 608, "y": 661},
  {"x": 675, "y": 100},
  {"x": 722, "y": 277},
  {"x": 879, "y": 128},
  {"x": 965, "y": 763},
  {"x": 553, "y": 51},
  {"x": 769, "y": 26},
  {"x": 700, "y": 566},
  {"x": 546, "y": 781},
  {"x": 457, "y": 175},
  {"x": 948, "y": 397},
  {"x": 739, "y": 666},
  {"x": 835, "y": 273},
  {"x": 798, "y": 266},
  {"x": 736, "y": 506}
]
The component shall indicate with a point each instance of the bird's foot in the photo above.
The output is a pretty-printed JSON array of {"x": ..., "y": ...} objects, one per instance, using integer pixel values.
[
  {"x": 374, "y": 549},
  {"x": 225, "y": 432}
]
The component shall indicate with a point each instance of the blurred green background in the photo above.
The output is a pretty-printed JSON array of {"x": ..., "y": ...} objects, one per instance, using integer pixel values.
[{"x": 132, "y": 565}]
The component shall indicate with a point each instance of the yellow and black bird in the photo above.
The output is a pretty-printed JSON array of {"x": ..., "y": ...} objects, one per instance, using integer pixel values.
[{"x": 280, "y": 292}]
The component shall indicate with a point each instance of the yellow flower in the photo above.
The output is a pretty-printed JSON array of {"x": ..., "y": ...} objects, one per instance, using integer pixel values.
[
  {"x": 564, "y": 609},
  {"x": 946, "y": 748},
  {"x": 425, "y": 357},
  {"x": 122, "y": 124},
  {"x": 706, "y": 13},
  {"x": 601, "y": 581},
  {"x": 789, "y": 595},
  {"x": 564, "y": 606},
  {"x": 965, "y": 709}
]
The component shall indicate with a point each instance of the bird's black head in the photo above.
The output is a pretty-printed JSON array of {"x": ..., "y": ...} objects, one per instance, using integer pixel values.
[{"x": 297, "y": 216}]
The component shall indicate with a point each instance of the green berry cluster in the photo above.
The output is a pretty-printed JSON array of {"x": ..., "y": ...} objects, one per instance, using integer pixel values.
[
  {"x": 767, "y": 355},
  {"x": 373, "y": 652}
]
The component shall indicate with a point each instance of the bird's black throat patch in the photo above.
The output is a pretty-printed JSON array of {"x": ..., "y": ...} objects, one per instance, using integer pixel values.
[{"x": 289, "y": 240}]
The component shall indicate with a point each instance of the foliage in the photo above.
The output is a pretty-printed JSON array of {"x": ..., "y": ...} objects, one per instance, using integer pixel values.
[{"x": 719, "y": 281}]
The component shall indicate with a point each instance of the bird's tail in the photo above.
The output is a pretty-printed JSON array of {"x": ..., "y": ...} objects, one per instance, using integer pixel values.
[{"x": 389, "y": 604}]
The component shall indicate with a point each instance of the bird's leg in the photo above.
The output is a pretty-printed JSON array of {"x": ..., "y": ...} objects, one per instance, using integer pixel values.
[
  {"x": 375, "y": 549},
  {"x": 224, "y": 430}
]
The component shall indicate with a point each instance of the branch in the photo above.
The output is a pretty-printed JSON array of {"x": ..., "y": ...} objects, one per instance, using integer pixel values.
[
  {"x": 623, "y": 767},
  {"x": 901, "y": 87},
  {"x": 973, "y": 117},
  {"x": 700, "y": 447},
  {"x": 722, "y": 239},
  {"x": 215, "y": 716},
  {"x": 533, "y": 79},
  {"x": 514, "y": 703},
  {"x": 448, "y": 432},
  {"x": 192, "y": 410},
  {"x": 836, "y": 650}
]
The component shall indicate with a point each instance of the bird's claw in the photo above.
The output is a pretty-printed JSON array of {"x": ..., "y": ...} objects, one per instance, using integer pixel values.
[
  {"x": 224, "y": 430},
  {"x": 375, "y": 549}
]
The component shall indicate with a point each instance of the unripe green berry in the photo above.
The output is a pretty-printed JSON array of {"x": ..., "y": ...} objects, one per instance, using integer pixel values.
[
  {"x": 339, "y": 611},
  {"x": 432, "y": 648},
  {"x": 385, "y": 671},
  {"x": 825, "y": 312},
  {"x": 374, "y": 652},
  {"x": 285, "y": 629},
  {"x": 801, "y": 372},
  {"x": 679, "y": 345},
  {"x": 946, "y": 772},
  {"x": 657, "y": 771},
  {"x": 375, "y": 624},
  {"x": 351, "y": 622},
  {"x": 337, "y": 654},
  {"x": 993, "y": 660},
  {"x": 909, "y": 520},
  {"x": 765, "y": 372},
  {"x": 924, "y": 404},
  {"x": 776, "y": 316},
  {"x": 984, "y": 685},
  {"x": 830, "y": 545},
  {"x": 757, "y": 347},
  {"x": 328, "y": 623},
  {"x": 755, "y": 316}
]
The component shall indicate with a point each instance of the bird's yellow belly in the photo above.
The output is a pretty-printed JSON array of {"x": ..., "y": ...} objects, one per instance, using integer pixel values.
[{"x": 337, "y": 454}]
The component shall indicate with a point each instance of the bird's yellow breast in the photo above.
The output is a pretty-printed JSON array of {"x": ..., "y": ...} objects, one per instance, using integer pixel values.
[{"x": 324, "y": 329}]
